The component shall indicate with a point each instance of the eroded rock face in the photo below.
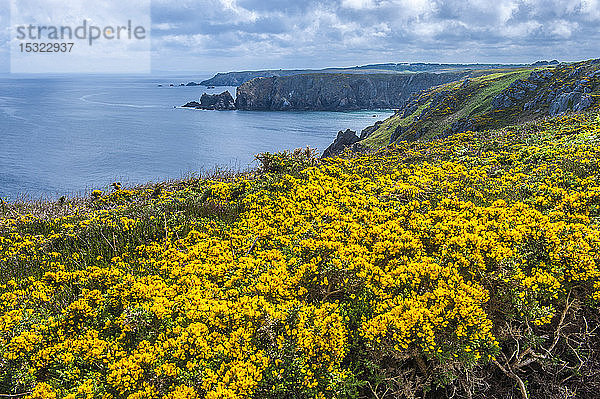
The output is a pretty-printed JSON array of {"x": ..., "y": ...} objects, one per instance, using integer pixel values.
[
  {"x": 345, "y": 138},
  {"x": 335, "y": 92},
  {"x": 462, "y": 125},
  {"x": 540, "y": 76},
  {"x": 573, "y": 101},
  {"x": 513, "y": 94},
  {"x": 398, "y": 131}
]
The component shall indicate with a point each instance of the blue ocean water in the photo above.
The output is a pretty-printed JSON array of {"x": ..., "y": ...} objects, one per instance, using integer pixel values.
[{"x": 68, "y": 135}]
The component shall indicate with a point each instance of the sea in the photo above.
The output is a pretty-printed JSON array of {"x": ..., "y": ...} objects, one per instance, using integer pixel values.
[{"x": 68, "y": 135}]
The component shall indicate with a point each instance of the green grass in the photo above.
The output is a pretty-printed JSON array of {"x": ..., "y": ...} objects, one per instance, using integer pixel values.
[
  {"x": 492, "y": 85},
  {"x": 478, "y": 98},
  {"x": 473, "y": 99},
  {"x": 381, "y": 136}
]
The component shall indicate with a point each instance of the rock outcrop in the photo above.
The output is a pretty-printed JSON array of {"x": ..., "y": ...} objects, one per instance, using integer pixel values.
[
  {"x": 345, "y": 138},
  {"x": 366, "y": 132},
  {"x": 336, "y": 92},
  {"x": 513, "y": 94},
  {"x": 553, "y": 91},
  {"x": 572, "y": 101},
  {"x": 223, "y": 101}
]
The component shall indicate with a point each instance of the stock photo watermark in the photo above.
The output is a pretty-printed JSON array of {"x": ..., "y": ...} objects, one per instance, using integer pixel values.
[{"x": 80, "y": 37}]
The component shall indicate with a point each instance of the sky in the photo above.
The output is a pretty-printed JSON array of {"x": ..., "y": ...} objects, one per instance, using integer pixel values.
[{"x": 225, "y": 35}]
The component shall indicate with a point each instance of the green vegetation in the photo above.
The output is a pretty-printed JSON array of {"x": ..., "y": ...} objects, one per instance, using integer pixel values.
[
  {"x": 477, "y": 98},
  {"x": 485, "y": 88},
  {"x": 493, "y": 100},
  {"x": 381, "y": 136}
]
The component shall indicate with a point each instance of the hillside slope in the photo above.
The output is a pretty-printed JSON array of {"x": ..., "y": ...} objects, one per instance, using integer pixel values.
[{"x": 492, "y": 101}]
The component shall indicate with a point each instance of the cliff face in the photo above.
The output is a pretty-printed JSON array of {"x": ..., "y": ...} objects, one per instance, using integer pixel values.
[{"x": 334, "y": 92}]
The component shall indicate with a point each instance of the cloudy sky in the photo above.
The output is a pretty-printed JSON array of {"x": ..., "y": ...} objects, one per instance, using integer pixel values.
[{"x": 218, "y": 35}]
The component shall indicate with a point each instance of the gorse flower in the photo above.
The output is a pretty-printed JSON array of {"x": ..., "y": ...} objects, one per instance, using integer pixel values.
[{"x": 280, "y": 283}]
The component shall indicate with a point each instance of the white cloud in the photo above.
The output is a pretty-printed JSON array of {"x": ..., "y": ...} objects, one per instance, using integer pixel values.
[
  {"x": 591, "y": 10},
  {"x": 164, "y": 26},
  {"x": 240, "y": 12},
  {"x": 358, "y": 4},
  {"x": 563, "y": 29},
  {"x": 414, "y": 7},
  {"x": 288, "y": 33}
]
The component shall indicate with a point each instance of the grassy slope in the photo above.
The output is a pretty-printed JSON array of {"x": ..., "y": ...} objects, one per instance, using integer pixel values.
[
  {"x": 476, "y": 100},
  {"x": 486, "y": 87},
  {"x": 381, "y": 136},
  {"x": 433, "y": 112}
]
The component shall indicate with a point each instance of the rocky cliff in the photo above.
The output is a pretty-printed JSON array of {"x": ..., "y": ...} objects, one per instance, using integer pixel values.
[
  {"x": 345, "y": 138},
  {"x": 335, "y": 92}
]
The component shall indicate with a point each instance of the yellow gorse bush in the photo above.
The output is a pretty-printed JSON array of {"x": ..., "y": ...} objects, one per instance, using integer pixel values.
[{"x": 287, "y": 282}]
